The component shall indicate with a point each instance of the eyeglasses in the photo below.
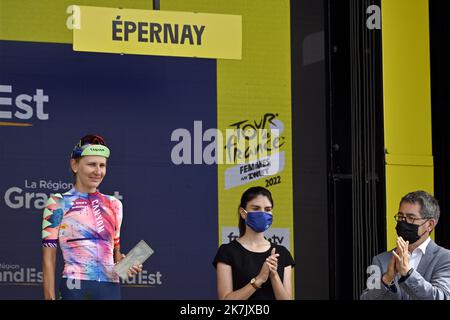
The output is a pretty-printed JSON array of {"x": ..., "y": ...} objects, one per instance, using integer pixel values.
[{"x": 399, "y": 218}]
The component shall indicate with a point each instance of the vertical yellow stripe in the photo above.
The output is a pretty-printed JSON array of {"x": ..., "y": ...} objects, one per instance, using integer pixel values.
[{"x": 407, "y": 102}]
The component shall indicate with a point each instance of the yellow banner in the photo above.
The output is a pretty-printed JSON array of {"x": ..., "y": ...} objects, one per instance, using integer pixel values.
[
  {"x": 254, "y": 114},
  {"x": 407, "y": 104},
  {"x": 163, "y": 33}
]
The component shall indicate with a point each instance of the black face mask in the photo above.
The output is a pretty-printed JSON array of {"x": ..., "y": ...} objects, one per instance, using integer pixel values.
[{"x": 409, "y": 231}]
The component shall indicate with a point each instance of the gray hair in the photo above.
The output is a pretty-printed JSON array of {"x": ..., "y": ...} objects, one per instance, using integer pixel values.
[{"x": 429, "y": 206}]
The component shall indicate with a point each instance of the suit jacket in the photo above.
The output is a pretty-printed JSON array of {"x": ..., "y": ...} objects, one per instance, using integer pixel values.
[{"x": 431, "y": 280}]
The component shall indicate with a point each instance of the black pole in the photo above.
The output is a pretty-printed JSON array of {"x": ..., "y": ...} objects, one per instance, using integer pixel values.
[{"x": 156, "y": 5}]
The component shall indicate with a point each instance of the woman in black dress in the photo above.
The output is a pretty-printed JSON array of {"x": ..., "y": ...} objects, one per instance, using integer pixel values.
[{"x": 251, "y": 267}]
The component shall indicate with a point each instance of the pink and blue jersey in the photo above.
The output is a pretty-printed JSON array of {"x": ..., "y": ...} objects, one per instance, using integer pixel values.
[{"x": 87, "y": 228}]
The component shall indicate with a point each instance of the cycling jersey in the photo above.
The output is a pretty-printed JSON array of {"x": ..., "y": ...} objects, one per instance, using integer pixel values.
[{"x": 87, "y": 227}]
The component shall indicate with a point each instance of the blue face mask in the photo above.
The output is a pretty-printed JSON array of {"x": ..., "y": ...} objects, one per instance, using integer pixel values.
[{"x": 259, "y": 221}]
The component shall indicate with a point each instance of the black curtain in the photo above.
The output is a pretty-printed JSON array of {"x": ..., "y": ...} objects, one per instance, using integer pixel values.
[
  {"x": 356, "y": 146},
  {"x": 440, "y": 108}
]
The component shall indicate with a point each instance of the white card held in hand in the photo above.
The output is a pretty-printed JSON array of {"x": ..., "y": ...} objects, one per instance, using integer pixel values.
[{"x": 135, "y": 257}]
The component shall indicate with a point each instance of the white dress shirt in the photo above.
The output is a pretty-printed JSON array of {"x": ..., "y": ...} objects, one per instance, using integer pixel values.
[{"x": 418, "y": 253}]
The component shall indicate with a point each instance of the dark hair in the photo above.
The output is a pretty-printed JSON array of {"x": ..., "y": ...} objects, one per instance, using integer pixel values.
[
  {"x": 248, "y": 196},
  {"x": 429, "y": 206}
]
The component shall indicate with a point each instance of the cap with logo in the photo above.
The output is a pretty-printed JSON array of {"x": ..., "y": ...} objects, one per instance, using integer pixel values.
[{"x": 90, "y": 145}]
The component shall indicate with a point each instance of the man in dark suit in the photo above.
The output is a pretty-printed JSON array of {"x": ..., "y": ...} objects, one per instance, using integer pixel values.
[{"x": 417, "y": 268}]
